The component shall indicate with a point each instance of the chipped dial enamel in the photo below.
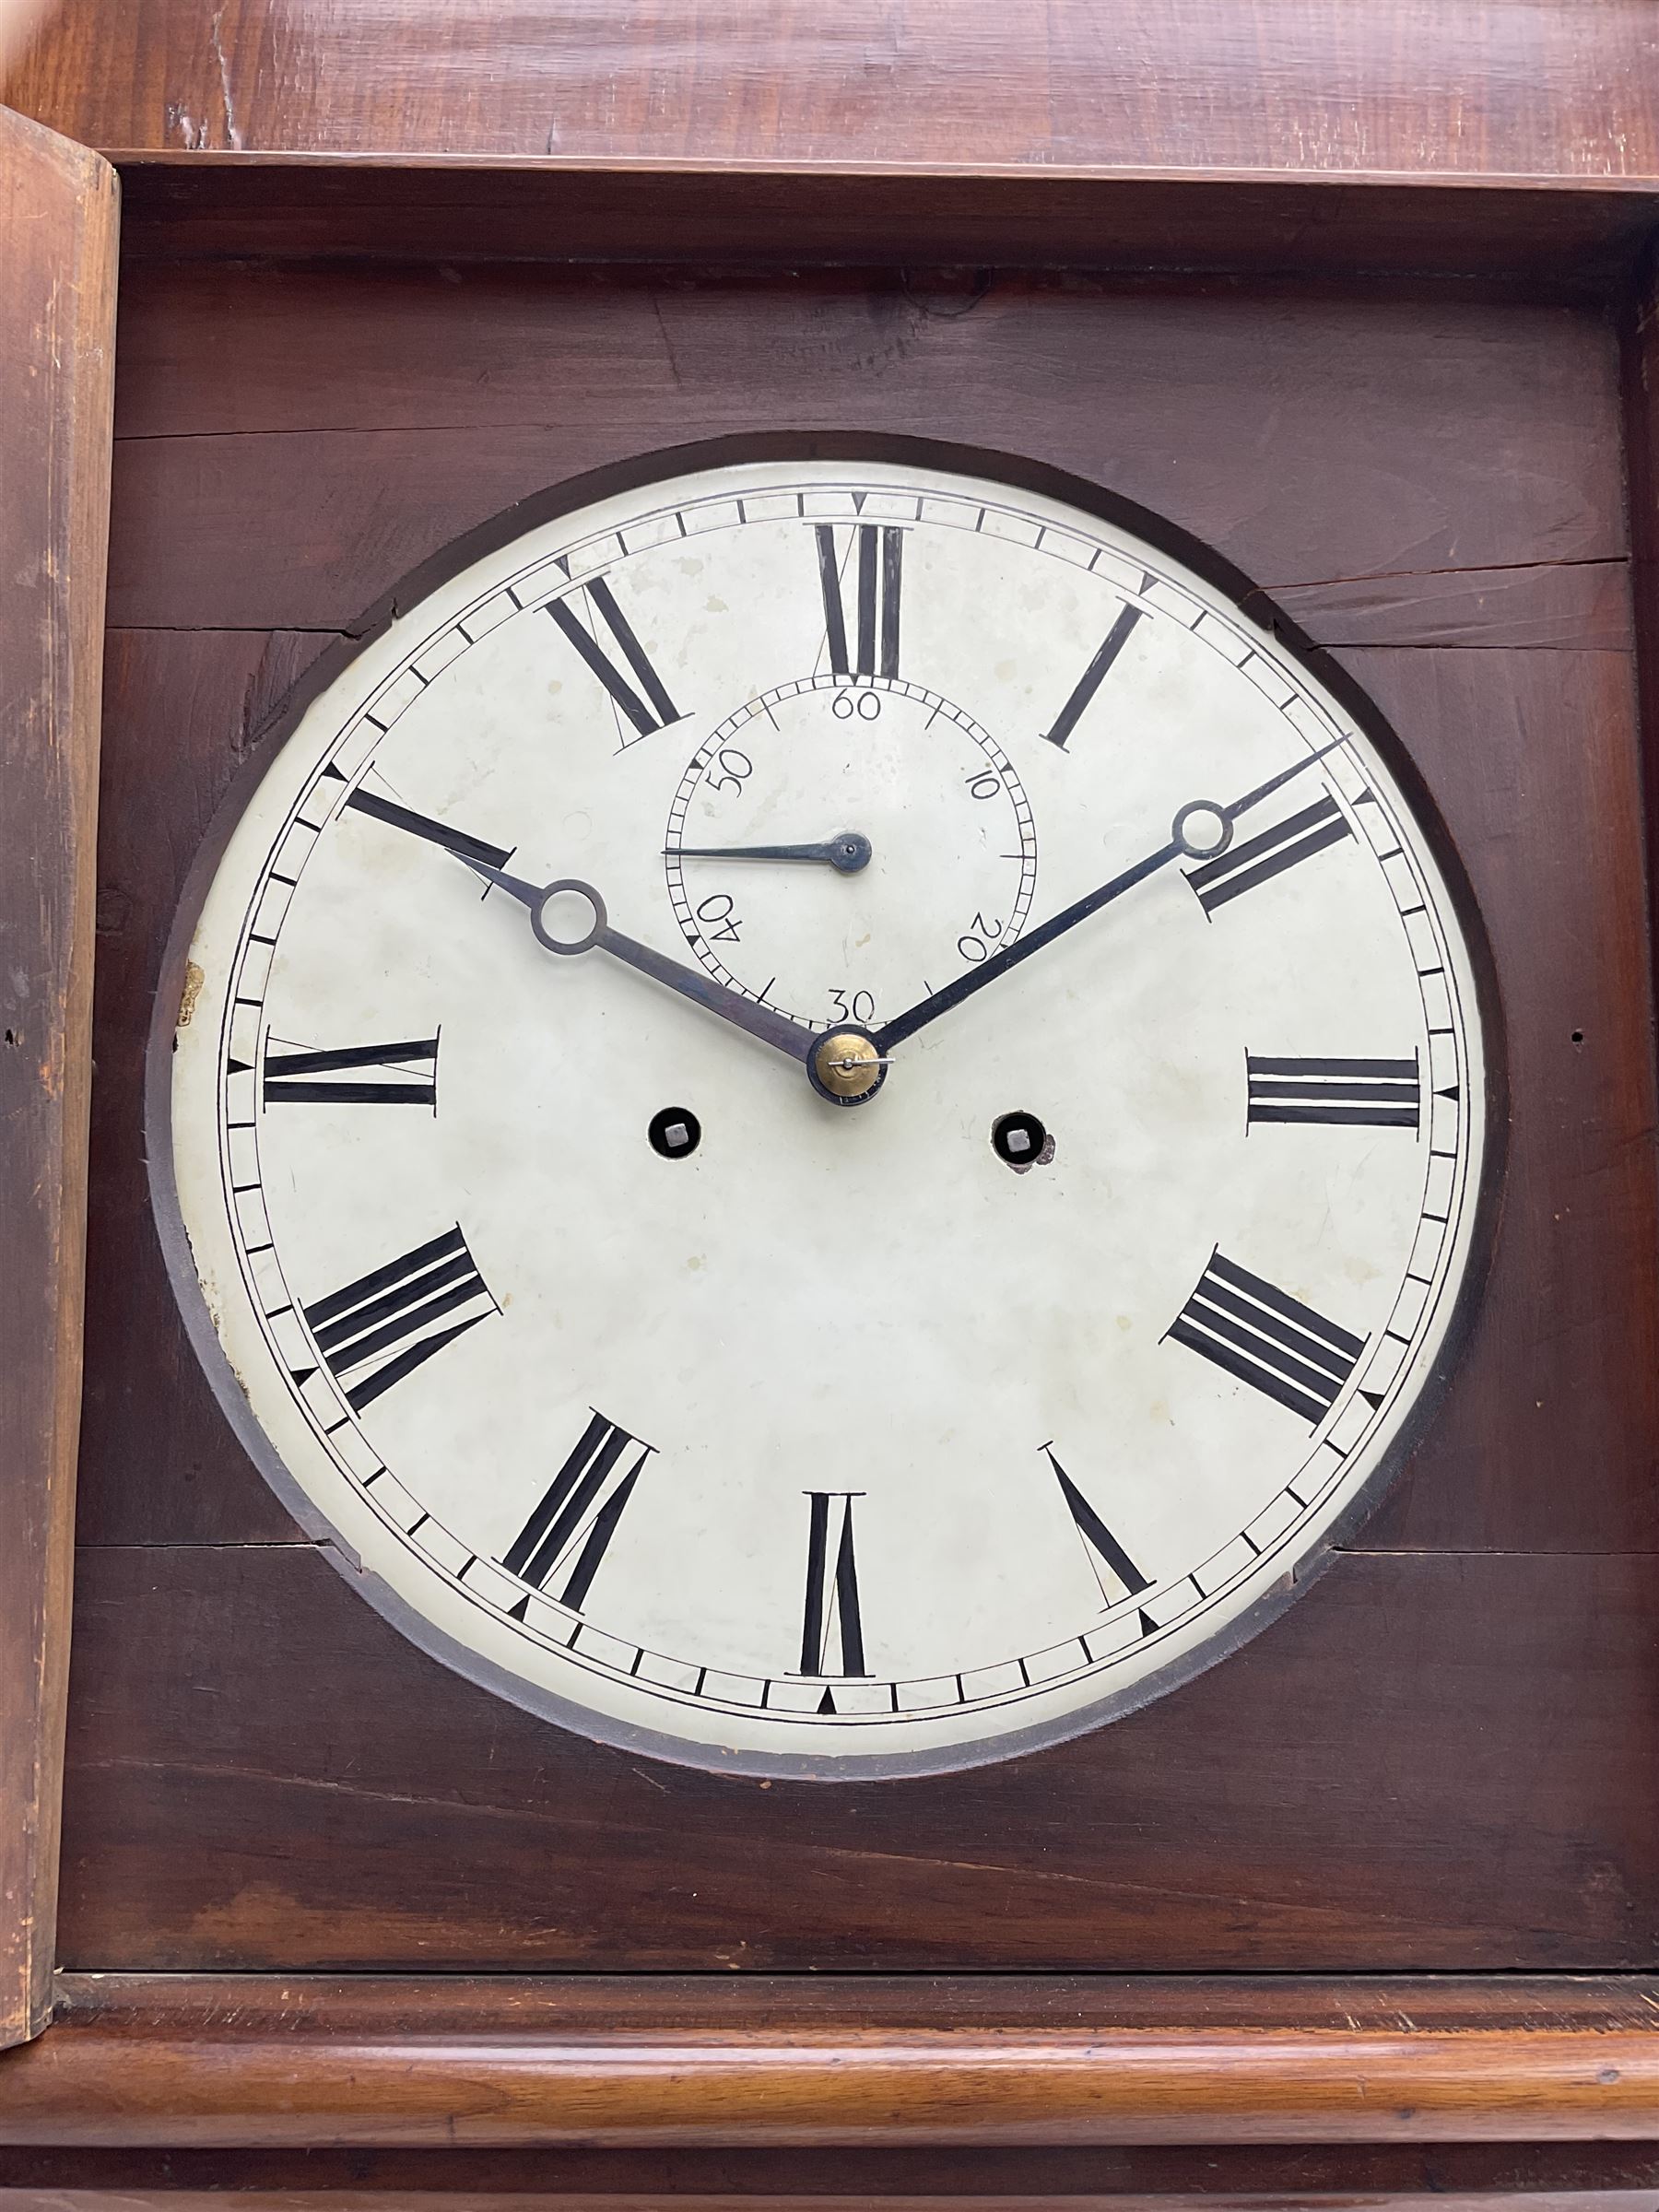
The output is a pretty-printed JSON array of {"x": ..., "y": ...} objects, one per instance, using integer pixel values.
[{"x": 838, "y": 1444}]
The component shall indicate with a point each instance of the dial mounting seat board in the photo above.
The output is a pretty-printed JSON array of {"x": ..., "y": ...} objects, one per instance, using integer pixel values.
[{"x": 1486, "y": 1572}]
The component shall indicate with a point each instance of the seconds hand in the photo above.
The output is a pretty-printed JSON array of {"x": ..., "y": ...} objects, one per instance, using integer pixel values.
[
  {"x": 847, "y": 852},
  {"x": 929, "y": 1010}
]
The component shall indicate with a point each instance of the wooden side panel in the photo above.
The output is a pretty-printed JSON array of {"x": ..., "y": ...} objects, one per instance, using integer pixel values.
[
  {"x": 57, "y": 250},
  {"x": 1512, "y": 88}
]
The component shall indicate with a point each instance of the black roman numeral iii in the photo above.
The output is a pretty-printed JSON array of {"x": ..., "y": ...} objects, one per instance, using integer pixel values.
[
  {"x": 577, "y": 1514},
  {"x": 868, "y": 643},
  {"x": 1242, "y": 868},
  {"x": 1089, "y": 682},
  {"x": 1101, "y": 1547},
  {"x": 394, "y": 1319},
  {"x": 652, "y": 711},
  {"x": 356, "y": 1075},
  {"x": 1379, "y": 1094},
  {"x": 1256, "y": 1333},
  {"x": 830, "y": 1621}
]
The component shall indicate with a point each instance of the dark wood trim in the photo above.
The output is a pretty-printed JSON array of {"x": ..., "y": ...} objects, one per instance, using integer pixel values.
[
  {"x": 1572, "y": 236},
  {"x": 217, "y": 2062},
  {"x": 57, "y": 328},
  {"x": 1639, "y": 339},
  {"x": 1435, "y": 2177}
]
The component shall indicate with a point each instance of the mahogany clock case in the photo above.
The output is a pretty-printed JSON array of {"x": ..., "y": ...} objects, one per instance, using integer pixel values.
[{"x": 1443, "y": 1755}]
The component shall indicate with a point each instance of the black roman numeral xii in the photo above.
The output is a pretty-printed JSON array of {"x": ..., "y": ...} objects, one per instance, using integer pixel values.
[{"x": 868, "y": 644}]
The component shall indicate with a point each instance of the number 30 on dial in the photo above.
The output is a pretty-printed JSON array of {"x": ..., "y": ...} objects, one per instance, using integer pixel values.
[{"x": 826, "y": 1112}]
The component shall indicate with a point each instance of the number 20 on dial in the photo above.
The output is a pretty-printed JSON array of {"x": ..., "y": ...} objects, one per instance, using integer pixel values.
[{"x": 829, "y": 1114}]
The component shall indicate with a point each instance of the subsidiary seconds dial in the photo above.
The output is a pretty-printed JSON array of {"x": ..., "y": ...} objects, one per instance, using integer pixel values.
[
  {"x": 935, "y": 798},
  {"x": 517, "y": 1214}
]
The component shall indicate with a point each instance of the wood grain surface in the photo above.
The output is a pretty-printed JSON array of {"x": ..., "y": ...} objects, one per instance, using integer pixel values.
[
  {"x": 58, "y": 249},
  {"x": 1536, "y": 241},
  {"x": 1493, "y": 88},
  {"x": 1404, "y": 1771},
  {"x": 373, "y": 414},
  {"x": 241, "y": 2061},
  {"x": 1401, "y": 2177},
  {"x": 1434, "y": 486},
  {"x": 1640, "y": 349}
]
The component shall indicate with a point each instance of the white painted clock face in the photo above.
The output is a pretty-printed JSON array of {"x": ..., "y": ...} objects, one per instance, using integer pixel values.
[{"x": 700, "y": 1408}]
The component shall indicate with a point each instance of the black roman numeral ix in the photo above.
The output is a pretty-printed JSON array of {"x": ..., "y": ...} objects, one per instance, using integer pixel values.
[
  {"x": 576, "y": 1516},
  {"x": 648, "y": 713},
  {"x": 374, "y": 1074},
  {"x": 830, "y": 1619},
  {"x": 1257, "y": 1334},
  {"x": 1379, "y": 1094},
  {"x": 422, "y": 825},
  {"x": 1101, "y": 1547},
  {"x": 875, "y": 566},
  {"x": 385, "y": 1324},
  {"x": 1242, "y": 868},
  {"x": 1089, "y": 682}
]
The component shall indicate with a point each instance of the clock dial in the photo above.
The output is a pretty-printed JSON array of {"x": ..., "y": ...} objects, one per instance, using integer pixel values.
[{"x": 827, "y": 1115}]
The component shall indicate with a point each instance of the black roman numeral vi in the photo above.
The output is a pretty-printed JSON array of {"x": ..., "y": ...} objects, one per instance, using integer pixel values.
[
  {"x": 1258, "y": 1333},
  {"x": 830, "y": 1619},
  {"x": 648, "y": 713},
  {"x": 1242, "y": 868},
  {"x": 355, "y": 1075},
  {"x": 385, "y": 1326},
  {"x": 577, "y": 1514},
  {"x": 868, "y": 643},
  {"x": 1379, "y": 1094}
]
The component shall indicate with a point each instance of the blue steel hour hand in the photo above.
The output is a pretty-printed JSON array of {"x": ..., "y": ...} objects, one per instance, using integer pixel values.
[{"x": 775, "y": 1029}]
